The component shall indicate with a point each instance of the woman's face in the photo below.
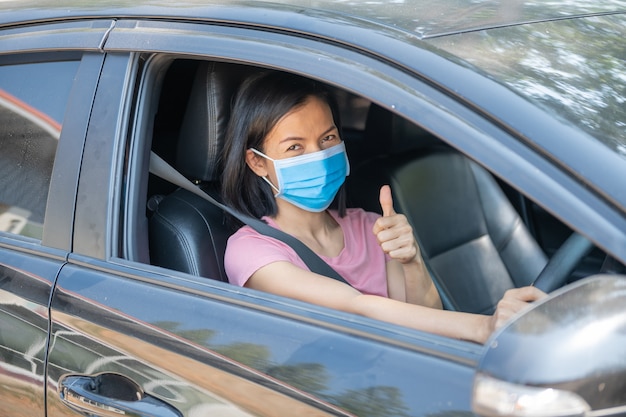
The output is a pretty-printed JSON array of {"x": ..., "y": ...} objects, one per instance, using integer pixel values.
[{"x": 305, "y": 129}]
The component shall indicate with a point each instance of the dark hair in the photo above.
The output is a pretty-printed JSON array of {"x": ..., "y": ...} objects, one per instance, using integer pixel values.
[{"x": 260, "y": 103}]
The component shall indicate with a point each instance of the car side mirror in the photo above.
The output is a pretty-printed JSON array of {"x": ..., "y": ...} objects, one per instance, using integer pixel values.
[{"x": 565, "y": 356}]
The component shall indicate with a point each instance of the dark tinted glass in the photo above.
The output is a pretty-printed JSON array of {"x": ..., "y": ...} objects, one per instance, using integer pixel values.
[{"x": 33, "y": 98}]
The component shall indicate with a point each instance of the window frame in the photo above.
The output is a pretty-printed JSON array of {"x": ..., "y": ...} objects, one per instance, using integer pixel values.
[
  {"x": 50, "y": 41},
  {"x": 58, "y": 216},
  {"x": 398, "y": 90}
]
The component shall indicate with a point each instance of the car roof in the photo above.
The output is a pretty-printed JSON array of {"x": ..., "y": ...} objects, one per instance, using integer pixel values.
[
  {"x": 431, "y": 18},
  {"x": 424, "y": 18}
]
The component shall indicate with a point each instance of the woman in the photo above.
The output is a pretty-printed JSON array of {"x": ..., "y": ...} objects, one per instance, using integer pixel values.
[{"x": 285, "y": 162}]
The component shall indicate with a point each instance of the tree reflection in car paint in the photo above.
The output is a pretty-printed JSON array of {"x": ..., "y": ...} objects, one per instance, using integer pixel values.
[
  {"x": 374, "y": 401},
  {"x": 249, "y": 344},
  {"x": 81, "y": 354}
]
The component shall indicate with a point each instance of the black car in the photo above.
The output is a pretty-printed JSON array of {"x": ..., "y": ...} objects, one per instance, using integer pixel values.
[{"x": 500, "y": 125}]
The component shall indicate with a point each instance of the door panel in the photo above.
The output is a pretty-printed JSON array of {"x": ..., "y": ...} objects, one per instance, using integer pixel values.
[
  {"x": 36, "y": 90},
  {"x": 25, "y": 284},
  {"x": 201, "y": 346}
]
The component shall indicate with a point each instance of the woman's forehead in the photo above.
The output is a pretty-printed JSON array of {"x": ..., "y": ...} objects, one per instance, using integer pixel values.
[{"x": 311, "y": 118}]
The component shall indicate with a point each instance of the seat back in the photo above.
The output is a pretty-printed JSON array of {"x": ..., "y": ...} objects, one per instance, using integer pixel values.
[
  {"x": 187, "y": 233},
  {"x": 473, "y": 240}
]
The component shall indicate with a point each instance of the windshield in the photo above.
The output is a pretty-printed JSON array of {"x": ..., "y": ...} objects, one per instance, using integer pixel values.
[{"x": 574, "y": 68}]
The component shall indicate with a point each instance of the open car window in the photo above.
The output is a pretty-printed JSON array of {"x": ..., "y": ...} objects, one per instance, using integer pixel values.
[{"x": 378, "y": 141}]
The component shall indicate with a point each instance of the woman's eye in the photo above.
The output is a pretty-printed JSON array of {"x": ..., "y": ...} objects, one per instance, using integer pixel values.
[
  {"x": 293, "y": 147},
  {"x": 329, "y": 138}
]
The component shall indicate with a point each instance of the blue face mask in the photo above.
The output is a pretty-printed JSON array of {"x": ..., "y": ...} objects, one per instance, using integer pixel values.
[{"x": 310, "y": 181}]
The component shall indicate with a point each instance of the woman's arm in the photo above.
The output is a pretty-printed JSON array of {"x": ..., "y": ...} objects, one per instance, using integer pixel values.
[
  {"x": 407, "y": 276},
  {"x": 411, "y": 283},
  {"x": 285, "y": 279}
]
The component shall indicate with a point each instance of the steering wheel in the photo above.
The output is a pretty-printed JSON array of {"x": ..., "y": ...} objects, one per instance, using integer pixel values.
[{"x": 554, "y": 275}]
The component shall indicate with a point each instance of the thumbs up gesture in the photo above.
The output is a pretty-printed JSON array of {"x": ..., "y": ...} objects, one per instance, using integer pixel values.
[{"x": 393, "y": 231}]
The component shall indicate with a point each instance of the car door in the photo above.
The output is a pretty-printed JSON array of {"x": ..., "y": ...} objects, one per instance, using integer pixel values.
[
  {"x": 46, "y": 76},
  {"x": 130, "y": 337}
]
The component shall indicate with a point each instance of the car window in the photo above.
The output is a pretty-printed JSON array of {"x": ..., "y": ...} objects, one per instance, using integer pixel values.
[
  {"x": 404, "y": 141},
  {"x": 33, "y": 98}
]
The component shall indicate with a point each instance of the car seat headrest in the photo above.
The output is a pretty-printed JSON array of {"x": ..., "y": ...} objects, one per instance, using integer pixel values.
[{"x": 204, "y": 125}]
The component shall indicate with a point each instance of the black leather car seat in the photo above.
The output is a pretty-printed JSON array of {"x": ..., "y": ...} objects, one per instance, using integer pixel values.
[
  {"x": 473, "y": 240},
  {"x": 187, "y": 233}
]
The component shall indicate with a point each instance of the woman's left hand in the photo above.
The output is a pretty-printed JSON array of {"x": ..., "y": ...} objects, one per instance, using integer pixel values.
[
  {"x": 393, "y": 231},
  {"x": 513, "y": 301}
]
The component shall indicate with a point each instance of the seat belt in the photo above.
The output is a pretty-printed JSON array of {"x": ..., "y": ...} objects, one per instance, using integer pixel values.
[{"x": 165, "y": 171}]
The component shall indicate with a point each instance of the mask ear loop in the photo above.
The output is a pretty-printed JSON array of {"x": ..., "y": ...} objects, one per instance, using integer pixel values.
[
  {"x": 265, "y": 177},
  {"x": 271, "y": 185}
]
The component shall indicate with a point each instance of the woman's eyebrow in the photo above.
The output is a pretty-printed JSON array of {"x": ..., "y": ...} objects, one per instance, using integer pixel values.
[
  {"x": 290, "y": 138},
  {"x": 330, "y": 129},
  {"x": 298, "y": 138}
]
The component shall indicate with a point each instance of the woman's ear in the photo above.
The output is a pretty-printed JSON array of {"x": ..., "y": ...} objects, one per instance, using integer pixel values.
[{"x": 256, "y": 163}]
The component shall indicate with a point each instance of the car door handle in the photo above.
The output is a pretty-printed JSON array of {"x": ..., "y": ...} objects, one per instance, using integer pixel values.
[{"x": 111, "y": 395}]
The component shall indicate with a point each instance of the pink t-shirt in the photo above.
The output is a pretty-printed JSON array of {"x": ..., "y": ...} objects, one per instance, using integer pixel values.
[{"x": 361, "y": 262}]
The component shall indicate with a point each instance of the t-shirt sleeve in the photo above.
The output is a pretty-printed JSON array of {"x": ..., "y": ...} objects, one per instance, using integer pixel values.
[{"x": 247, "y": 251}]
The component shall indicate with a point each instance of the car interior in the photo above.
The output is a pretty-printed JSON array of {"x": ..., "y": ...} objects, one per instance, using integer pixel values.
[{"x": 478, "y": 236}]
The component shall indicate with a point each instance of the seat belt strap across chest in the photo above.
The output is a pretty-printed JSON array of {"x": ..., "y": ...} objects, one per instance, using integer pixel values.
[{"x": 163, "y": 170}]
